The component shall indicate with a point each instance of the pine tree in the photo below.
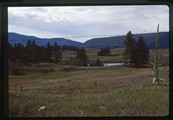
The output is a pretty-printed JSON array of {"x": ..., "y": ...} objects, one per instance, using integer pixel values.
[
  {"x": 19, "y": 51},
  {"x": 139, "y": 53},
  {"x": 134, "y": 56},
  {"x": 48, "y": 52},
  {"x": 43, "y": 52},
  {"x": 28, "y": 53},
  {"x": 57, "y": 55},
  {"x": 37, "y": 54},
  {"x": 82, "y": 56},
  {"x": 143, "y": 52},
  {"x": 98, "y": 63},
  {"x": 33, "y": 51},
  {"x": 129, "y": 46}
]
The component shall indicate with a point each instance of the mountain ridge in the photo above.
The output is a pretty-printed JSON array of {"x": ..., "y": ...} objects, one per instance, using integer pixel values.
[
  {"x": 118, "y": 41},
  {"x": 15, "y": 37},
  {"x": 113, "y": 42}
]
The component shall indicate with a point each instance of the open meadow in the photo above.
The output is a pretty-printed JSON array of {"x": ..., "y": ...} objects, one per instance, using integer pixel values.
[{"x": 76, "y": 91}]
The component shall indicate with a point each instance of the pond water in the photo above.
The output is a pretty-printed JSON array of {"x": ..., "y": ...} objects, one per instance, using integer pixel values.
[{"x": 112, "y": 64}]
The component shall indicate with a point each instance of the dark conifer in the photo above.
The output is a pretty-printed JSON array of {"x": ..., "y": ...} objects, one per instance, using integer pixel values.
[
  {"x": 129, "y": 46},
  {"x": 48, "y": 52},
  {"x": 82, "y": 56},
  {"x": 57, "y": 55}
]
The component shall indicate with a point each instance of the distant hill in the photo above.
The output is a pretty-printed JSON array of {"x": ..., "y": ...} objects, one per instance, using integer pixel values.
[
  {"x": 14, "y": 38},
  {"x": 118, "y": 41}
]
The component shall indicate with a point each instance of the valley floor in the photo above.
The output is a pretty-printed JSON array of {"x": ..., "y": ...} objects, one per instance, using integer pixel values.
[{"x": 88, "y": 91}]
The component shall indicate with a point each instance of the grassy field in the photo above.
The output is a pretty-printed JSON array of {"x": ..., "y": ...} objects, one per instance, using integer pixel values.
[
  {"x": 92, "y": 55},
  {"x": 87, "y": 91}
]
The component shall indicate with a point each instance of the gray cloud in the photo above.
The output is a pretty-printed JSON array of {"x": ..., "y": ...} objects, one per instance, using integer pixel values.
[{"x": 91, "y": 20}]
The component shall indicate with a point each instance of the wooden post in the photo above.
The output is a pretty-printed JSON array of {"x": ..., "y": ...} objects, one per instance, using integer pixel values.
[{"x": 156, "y": 63}]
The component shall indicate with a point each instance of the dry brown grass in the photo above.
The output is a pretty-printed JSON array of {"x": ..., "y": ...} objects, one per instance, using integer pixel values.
[{"x": 88, "y": 91}]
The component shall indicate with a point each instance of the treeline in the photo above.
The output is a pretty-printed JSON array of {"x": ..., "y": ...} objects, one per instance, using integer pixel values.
[
  {"x": 32, "y": 53},
  {"x": 136, "y": 52},
  {"x": 20, "y": 55},
  {"x": 104, "y": 52}
]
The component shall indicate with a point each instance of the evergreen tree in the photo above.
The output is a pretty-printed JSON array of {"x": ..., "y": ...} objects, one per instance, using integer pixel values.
[
  {"x": 28, "y": 53},
  {"x": 43, "y": 52},
  {"x": 48, "y": 52},
  {"x": 143, "y": 52},
  {"x": 19, "y": 51},
  {"x": 57, "y": 55},
  {"x": 33, "y": 51},
  {"x": 98, "y": 63},
  {"x": 139, "y": 54},
  {"x": 129, "y": 46},
  {"x": 82, "y": 56},
  {"x": 37, "y": 55}
]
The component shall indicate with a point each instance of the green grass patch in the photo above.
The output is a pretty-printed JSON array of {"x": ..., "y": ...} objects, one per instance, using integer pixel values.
[{"x": 117, "y": 102}]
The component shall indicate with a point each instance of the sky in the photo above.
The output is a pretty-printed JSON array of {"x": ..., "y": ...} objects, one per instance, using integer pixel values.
[{"x": 81, "y": 23}]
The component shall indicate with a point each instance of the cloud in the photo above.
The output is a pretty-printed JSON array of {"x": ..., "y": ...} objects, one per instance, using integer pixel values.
[
  {"x": 32, "y": 32},
  {"x": 88, "y": 20}
]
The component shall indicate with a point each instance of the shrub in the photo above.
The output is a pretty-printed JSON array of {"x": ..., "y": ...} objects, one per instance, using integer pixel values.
[{"x": 76, "y": 62}]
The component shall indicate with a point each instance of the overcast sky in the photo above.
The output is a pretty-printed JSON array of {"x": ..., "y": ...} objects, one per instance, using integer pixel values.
[{"x": 76, "y": 21}]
